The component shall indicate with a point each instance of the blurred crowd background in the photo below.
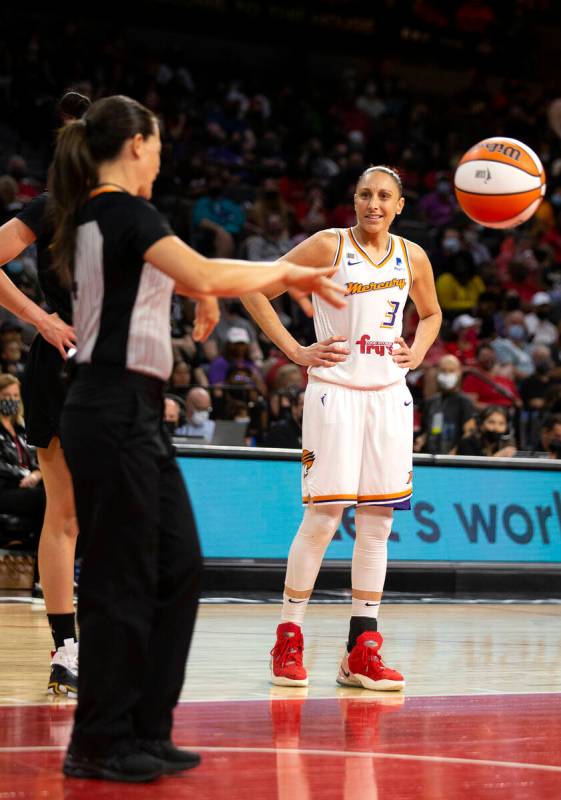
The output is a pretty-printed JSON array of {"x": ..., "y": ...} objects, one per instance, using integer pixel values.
[{"x": 269, "y": 113}]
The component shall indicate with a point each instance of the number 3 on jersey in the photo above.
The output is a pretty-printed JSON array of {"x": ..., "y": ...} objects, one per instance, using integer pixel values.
[{"x": 391, "y": 314}]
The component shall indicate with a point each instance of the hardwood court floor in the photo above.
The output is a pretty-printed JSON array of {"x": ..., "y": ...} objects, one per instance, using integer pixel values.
[{"x": 480, "y": 717}]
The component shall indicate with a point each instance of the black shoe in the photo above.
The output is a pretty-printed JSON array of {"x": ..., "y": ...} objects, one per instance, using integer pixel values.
[
  {"x": 37, "y": 595},
  {"x": 132, "y": 767},
  {"x": 173, "y": 758}
]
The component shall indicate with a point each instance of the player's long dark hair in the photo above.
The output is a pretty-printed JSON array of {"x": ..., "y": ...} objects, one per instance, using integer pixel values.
[{"x": 82, "y": 145}]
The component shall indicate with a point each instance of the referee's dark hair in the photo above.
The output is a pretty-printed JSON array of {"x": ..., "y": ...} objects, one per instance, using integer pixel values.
[
  {"x": 81, "y": 146},
  {"x": 72, "y": 105}
]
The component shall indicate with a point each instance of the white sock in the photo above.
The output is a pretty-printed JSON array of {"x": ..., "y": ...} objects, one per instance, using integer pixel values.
[
  {"x": 306, "y": 554},
  {"x": 370, "y": 557}
]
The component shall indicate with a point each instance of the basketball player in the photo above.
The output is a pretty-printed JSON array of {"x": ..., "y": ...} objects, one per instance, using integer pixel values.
[
  {"x": 141, "y": 571},
  {"x": 43, "y": 393},
  {"x": 357, "y": 432}
]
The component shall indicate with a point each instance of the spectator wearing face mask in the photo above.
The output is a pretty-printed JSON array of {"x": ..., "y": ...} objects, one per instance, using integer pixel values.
[
  {"x": 511, "y": 348},
  {"x": 538, "y": 322},
  {"x": 174, "y": 414},
  {"x": 492, "y": 438},
  {"x": 458, "y": 288},
  {"x": 534, "y": 388},
  {"x": 485, "y": 386},
  {"x": 21, "y": 484},
  {"x": 549, "y": 438},
  {"x": 448, "y": 415},
  {"x": 478, "y": 250},
  {"x": 439, "y": 206},
  {"x": 197, "y": 415}
]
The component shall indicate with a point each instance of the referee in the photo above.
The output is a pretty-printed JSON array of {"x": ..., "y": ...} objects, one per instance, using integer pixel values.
[{"x": 141, "y": 573}]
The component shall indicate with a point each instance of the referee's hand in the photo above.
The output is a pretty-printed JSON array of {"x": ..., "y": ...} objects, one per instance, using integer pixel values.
[
  {"x": 207, "y": 314},
  {"x": 57, "y": 333}
]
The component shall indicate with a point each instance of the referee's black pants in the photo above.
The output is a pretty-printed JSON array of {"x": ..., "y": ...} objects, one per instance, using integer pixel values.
[{"x": 141, "y": 573}]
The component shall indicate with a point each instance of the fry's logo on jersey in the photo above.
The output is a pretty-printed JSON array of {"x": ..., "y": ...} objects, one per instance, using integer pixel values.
[
  {"x": 359, "y": 288},
  {"x": 367, "y": 346},
  {"x": 308, "y": 458}
]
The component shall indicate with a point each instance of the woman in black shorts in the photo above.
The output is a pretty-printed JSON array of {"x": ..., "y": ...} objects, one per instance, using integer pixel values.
[
  {"x": 141, "y": 571},
  {"x": 43, "y": 393}
]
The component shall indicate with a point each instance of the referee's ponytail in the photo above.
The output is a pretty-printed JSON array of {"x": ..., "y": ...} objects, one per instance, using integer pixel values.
[
  {"x": 72, "y": 176},
  {"x": 82, "y": 146}
]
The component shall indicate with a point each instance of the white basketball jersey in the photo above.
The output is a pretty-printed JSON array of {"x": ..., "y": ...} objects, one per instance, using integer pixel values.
[{"x": 376, "y": 297}]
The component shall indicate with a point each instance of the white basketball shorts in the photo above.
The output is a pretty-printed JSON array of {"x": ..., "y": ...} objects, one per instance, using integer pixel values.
[{"x": 357, "y": 445}]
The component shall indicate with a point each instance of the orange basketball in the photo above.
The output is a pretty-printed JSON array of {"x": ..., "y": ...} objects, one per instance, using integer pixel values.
[{"x": 500, "y": 182}]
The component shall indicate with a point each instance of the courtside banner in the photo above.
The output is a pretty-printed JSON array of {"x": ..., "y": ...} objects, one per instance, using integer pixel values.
[{"x": 250, "y": 509}]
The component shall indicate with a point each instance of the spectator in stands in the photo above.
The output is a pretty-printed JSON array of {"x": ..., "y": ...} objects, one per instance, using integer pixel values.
[
  {"x": 549, "y": 444},
  {"x": 269, "y": 201},
  {"x": 232, "y": 315},
  {"x": 21, "y": 487},
  {"x": 311, "y": 213},
  {"x": 12, "y": 358},
  {"x": 269, "y": 245},
  {"x": 9, "y": 204},
  {"x": 458, "y": 287},
  {"x": 27, "y": 188},
  {"x": 538, "y": 322},
  {"x": 287, "y": 432},
  {"x": 493, "y": 436},
  {"x": 475, "y": 16},
  {"x": 172, "y": 413},
  {"x": 198, "y": 409},
  {"x": 370, "y": 101},
  {"x": 181, "y": 377},
  {"x": 439, "y": 207},
  {"x": 218, "y": 217},
  {"x": 511, "y": 349},
  {"x": 522, "y": 281},
  {"x": 465, "y": 329},
  {"x": 489, "y": 315},
  {"x": 448, "y": 243},
  {"x": 189, "y": 362},
  {"x": 236, "y": 354},
  {"x": 485, "y": 386},
  {"x": 472, "y": 242},
  {"x": 448, "y": 415},
  {"x": 533, "y": 389}
]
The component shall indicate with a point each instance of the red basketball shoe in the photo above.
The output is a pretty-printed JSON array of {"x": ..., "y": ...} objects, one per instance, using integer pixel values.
[
  {"x": 287, "y": 668},
  {"x": 363, "y": 666}
]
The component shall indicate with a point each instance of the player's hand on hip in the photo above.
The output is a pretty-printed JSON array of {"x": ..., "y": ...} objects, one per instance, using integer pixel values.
[
  {"x": 322, "y": 354},
  {"x": 207, "y": 314},
  {"x": 58, "y": 333},
  {"x": 311, "y": 279},
  {"x": 405, "y": 357}
]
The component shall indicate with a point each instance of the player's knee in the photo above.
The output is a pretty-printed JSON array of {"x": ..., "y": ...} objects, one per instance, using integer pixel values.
[
  {"x": 373, "y": 522},
  {"x": 319, "y": 525}
]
